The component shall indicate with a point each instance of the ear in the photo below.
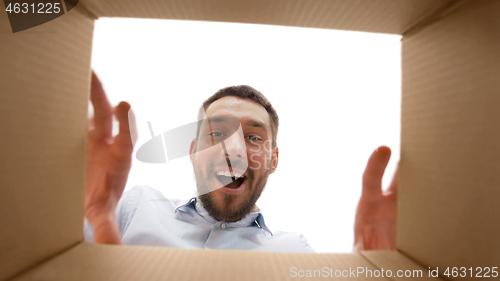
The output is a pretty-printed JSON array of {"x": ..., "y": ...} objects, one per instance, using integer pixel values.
[
  {"x": 192, "y": 150},
  {"x": 274, "y": 164}
]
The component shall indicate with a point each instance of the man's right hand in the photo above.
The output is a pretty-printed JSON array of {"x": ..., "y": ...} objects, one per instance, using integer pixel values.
[{"x": 108, "y": 163}]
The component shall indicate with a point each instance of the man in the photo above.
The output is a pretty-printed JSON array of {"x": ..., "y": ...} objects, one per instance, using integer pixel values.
[{"x": 233, "y": 154}]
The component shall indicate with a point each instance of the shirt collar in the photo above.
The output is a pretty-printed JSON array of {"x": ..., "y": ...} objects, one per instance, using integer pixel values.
[{"x": 254, "y": 218}]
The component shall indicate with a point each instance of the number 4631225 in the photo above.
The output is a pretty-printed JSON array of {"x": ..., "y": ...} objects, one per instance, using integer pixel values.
[
  {"x": 39, "y": 8},
  {"x": 478, "y": 272}
]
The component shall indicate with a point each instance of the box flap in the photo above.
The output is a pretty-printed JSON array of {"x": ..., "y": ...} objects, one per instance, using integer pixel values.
[
  {"x": 448, "y": 214},
  {"x": 4, "y": 21},
  {"x": 104, "y": 262},
  {"x": 44, "y": 88},
  {"x": 400, "y": 266},
  {"x": 384, "y": 16}
]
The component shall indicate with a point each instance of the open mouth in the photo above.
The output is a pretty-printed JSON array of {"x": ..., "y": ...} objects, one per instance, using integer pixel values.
[{"x": 230, "y": 181}]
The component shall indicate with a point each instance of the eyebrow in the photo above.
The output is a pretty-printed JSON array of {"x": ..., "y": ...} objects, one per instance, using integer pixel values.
[
  {"x": 255, "y": 123},
  {"x": 217, "y": 119},
  {"x": 251, "y": 123}
]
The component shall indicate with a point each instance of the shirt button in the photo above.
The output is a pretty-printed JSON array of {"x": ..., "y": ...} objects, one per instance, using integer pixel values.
[
  {"x": 198, "y": 204},
  {"x": 223, "y": 225}
]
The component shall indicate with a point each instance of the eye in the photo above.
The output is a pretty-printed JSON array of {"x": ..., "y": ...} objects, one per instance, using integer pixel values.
[
  {"x": 254, "y": 138},
  {"x": 217, "y": 134}
]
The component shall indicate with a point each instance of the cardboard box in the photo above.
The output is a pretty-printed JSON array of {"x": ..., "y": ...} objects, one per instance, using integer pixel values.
[{"x": 448, "y": 211}]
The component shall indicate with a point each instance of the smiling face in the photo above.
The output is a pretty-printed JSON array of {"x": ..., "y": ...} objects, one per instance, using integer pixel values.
[{"x": 233, "y": 157}]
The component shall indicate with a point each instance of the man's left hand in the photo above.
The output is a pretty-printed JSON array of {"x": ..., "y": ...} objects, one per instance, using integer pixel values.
[{"x": 375, "y": 225}]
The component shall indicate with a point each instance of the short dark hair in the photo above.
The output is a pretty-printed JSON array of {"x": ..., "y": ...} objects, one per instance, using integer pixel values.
[{"x": 244, "y": 92}]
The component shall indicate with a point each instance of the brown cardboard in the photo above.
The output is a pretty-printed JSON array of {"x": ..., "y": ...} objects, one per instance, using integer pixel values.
[
  {"x": 449, "y": 214},
  {"x": 44, "y": 88},
  {"x": 382, "y": 16},
  {"x": 4, "y": 21},
  {"x": 396, "y": 261},
  {"x": 104, "y": 262},
  {"x": 449, "y": 180}
]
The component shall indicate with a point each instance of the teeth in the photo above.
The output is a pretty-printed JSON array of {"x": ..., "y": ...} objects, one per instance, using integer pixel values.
[{"x": 228, "y": 174}]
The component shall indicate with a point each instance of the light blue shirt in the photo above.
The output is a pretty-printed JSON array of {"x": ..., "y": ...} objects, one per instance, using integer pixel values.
[{"x": 146, "y": 217}]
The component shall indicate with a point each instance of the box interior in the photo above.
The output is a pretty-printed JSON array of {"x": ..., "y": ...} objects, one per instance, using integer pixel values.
[{"x": 450, "y": 156}]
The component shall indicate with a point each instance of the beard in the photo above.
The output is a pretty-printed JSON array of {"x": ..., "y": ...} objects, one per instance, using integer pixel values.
[{"x": 228, "y": 209}]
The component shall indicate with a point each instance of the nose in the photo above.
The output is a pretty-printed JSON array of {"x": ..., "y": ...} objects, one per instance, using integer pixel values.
[{"x": 235, "y": 148}]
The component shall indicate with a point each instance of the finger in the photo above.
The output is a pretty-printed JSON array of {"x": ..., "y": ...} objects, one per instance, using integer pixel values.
[
  {"x": 103, "y": 112},
  {"x": 124, "y": 139},
  {"x": 90, "y": 124},
  {"x": 393, "y": 188},
  {"x": 90, "y": 117},
  {"x": 372, "y": 177},
  {"x": 132, "y": 125}
]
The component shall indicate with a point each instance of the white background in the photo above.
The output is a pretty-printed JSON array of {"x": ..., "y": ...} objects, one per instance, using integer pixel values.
[{"x": 337, "y": 95}]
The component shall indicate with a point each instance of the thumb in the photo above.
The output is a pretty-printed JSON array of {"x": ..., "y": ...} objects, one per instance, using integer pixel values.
[
  {"x": 127, "y": 135},
  {"x": 372, "y": 177},
  {"x": 393, "y": 188}
]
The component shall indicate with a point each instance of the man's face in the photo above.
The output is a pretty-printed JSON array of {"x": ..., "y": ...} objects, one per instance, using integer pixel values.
[{"x": 219, "y": 154}]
